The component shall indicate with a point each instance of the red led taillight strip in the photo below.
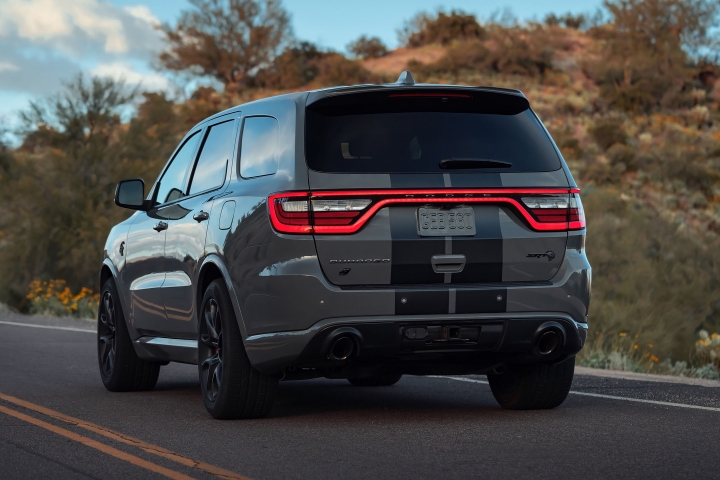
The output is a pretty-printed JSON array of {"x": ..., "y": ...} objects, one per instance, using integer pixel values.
[{"x": 279, "y": 217}]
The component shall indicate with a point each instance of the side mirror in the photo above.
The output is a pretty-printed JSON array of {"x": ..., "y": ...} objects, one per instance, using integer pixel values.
[{"x": 131, "y": 194}]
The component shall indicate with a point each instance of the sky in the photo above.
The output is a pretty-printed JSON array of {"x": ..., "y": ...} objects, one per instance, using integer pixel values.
[{"x": 46, "y": 42}]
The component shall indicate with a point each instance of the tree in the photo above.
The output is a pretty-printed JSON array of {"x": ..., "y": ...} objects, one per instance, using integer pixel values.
[
  {"x": 226, "y": 39},
  {"x": 294, "y": 67},
  {"x": 367, "y": 47},
  {"x": 58, "y": 187}
]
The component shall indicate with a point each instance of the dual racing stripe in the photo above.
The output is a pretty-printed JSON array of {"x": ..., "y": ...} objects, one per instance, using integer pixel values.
[{"x": 411, "y": 255}]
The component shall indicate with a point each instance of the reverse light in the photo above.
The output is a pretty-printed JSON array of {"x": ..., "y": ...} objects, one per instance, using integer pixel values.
[{"x": 577, "y": 213}]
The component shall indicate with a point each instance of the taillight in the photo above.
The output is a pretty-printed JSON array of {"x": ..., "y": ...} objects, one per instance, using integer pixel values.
[
  {"x": 561, "y": 210},
  {"x": 290, "y": 213},
  {"x": 345, "y": 212}
]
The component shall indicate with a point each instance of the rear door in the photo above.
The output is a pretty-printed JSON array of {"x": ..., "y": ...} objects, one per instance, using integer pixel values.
[{"x": 430, "y": 187}]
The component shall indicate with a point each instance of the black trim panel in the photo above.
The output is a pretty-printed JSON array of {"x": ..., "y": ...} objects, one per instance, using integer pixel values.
[
  {"x": 481, "y": 301},
  {"x": 427, "y": 302}
]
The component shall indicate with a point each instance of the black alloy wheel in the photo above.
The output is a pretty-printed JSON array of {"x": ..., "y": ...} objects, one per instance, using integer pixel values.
[
  {"x": 106, "y": 334},
  {"x": 211, "y": 337},
  {"x": 231, "y": 387},
  {"x": 121, "y": 370}
]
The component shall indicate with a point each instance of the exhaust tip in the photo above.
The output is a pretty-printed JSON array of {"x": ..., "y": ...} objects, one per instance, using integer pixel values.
[
  {"x": 548, "y": 342},
  {"x": 342, "y": 348}
]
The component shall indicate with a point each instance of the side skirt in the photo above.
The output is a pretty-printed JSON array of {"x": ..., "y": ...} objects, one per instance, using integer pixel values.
[{"x": 161, "y": 349}]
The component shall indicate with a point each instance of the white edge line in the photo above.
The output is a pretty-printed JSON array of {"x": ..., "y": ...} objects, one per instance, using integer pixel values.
[
  {"x": 600, "y": 395},
  {"x": 70, "y": 329}
]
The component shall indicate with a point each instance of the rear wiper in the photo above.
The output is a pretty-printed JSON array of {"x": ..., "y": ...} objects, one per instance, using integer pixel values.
[{"x": 455, "y": 162}]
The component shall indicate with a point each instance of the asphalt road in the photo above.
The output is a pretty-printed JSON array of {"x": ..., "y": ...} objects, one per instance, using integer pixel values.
[{"x": 58, "y": 421}]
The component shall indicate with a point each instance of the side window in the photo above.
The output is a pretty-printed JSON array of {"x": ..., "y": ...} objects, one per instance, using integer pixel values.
[
  {"x": 171, "y": 183},
  {"x": 212, "y": 163},
  {"x": 258, "y": 150}
]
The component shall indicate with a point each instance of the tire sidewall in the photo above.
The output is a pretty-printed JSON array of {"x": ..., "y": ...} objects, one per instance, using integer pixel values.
[
  {"x": 217, "y": 292},
  {"x": 122, "y": 337}
]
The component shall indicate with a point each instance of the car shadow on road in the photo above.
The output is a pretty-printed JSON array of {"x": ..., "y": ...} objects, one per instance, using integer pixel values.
[{"x": 411, "y": 398}]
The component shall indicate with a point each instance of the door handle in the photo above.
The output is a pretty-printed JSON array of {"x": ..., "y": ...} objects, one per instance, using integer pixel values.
[
  {"x": 160, "y": 227},
  {"x": 201, "y": 216},
  {"x": 448, "y": 263}
]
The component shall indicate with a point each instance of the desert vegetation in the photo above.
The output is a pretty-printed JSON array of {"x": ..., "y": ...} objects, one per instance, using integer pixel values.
[{"x": 630, "y": 95}]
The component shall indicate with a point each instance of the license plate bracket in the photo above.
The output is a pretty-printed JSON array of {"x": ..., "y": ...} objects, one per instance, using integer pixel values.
[{"x": 446, "y": 222}]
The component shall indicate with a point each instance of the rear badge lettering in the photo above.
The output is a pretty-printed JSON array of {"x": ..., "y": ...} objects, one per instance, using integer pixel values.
[{"x": 550, "y": 255}]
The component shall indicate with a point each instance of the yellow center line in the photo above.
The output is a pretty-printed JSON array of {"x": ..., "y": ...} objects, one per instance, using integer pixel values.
[
  {"x": 128, "y": 440},
  {"x": 97, "y": 445}
]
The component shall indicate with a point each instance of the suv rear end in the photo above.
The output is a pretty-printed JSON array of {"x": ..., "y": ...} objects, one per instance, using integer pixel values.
[{"x": 441, "y": 233}]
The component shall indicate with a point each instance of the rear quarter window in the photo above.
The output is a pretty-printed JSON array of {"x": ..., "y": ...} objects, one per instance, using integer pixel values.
[{"x": 258, "y": 147}]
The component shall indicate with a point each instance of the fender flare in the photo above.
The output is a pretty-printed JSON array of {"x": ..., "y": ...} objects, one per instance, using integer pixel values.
[{"x": 215, "y": 260}]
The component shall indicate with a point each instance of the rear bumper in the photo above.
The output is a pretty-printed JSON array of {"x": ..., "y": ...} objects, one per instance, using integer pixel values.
[{"x": 508, "y": 337}]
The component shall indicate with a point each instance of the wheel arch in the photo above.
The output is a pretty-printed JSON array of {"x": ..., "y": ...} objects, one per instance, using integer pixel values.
[{"x": 213, "y": 268}]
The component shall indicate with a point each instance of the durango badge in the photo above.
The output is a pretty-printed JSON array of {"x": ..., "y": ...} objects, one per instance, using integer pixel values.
[{"x": 368, "y": 260}]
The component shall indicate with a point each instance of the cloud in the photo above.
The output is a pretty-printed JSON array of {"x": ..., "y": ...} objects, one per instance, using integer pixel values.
[
  {"x": 44, "y": 43},
  {"x": 37, "y": 74},
  {"x": 81, "y": 27},
  {"x": 11, "y": 67},
  {"x": 148, "y": 81}
]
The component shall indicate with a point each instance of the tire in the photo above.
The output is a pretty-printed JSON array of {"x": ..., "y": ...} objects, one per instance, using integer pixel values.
[
  {"x": 231, "y": 387},
  {"x": 121, "y": 370},
  {"x": 533, "y": 386},
  {"x": 379, "y": 380}
]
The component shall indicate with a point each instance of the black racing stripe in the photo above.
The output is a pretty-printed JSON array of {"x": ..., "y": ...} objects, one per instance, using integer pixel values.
[
  {"x": 481, "y": 301},
  {"x": 475, "y": 180},
  {"x": 411, "y": 254},
  {"x": 421, "y": 302},
  {"x": 484, "y": 252},
  {"x": 417, "y": 180}
]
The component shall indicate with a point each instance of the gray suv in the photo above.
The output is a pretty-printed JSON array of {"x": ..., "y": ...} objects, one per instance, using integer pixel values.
[{"x": 359, "y": 233}]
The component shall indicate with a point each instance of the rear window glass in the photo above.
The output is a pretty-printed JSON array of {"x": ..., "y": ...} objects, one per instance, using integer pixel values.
[{"x": 349, "y": 139}]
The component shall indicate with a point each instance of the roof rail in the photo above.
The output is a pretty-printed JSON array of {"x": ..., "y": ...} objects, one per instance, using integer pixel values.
[{"x": 405, "y": 78}]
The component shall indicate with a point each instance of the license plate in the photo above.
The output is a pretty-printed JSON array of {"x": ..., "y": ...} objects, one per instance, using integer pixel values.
[{"x": 437, "y": 222}]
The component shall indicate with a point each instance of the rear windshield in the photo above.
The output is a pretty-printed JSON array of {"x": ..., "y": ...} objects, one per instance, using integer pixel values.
[{"x": 415, "y": 135}]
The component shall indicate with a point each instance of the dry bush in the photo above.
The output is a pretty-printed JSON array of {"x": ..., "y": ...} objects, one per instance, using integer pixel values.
[
  {"x": 442, "y": 28},
  {"x": 335, "y": 69},
  {"x": 648, "y": 279},
  {"x": 367, "y": 47},
  {"x": 568, "y": 20},
  {"x": 607, "y": 132}
]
